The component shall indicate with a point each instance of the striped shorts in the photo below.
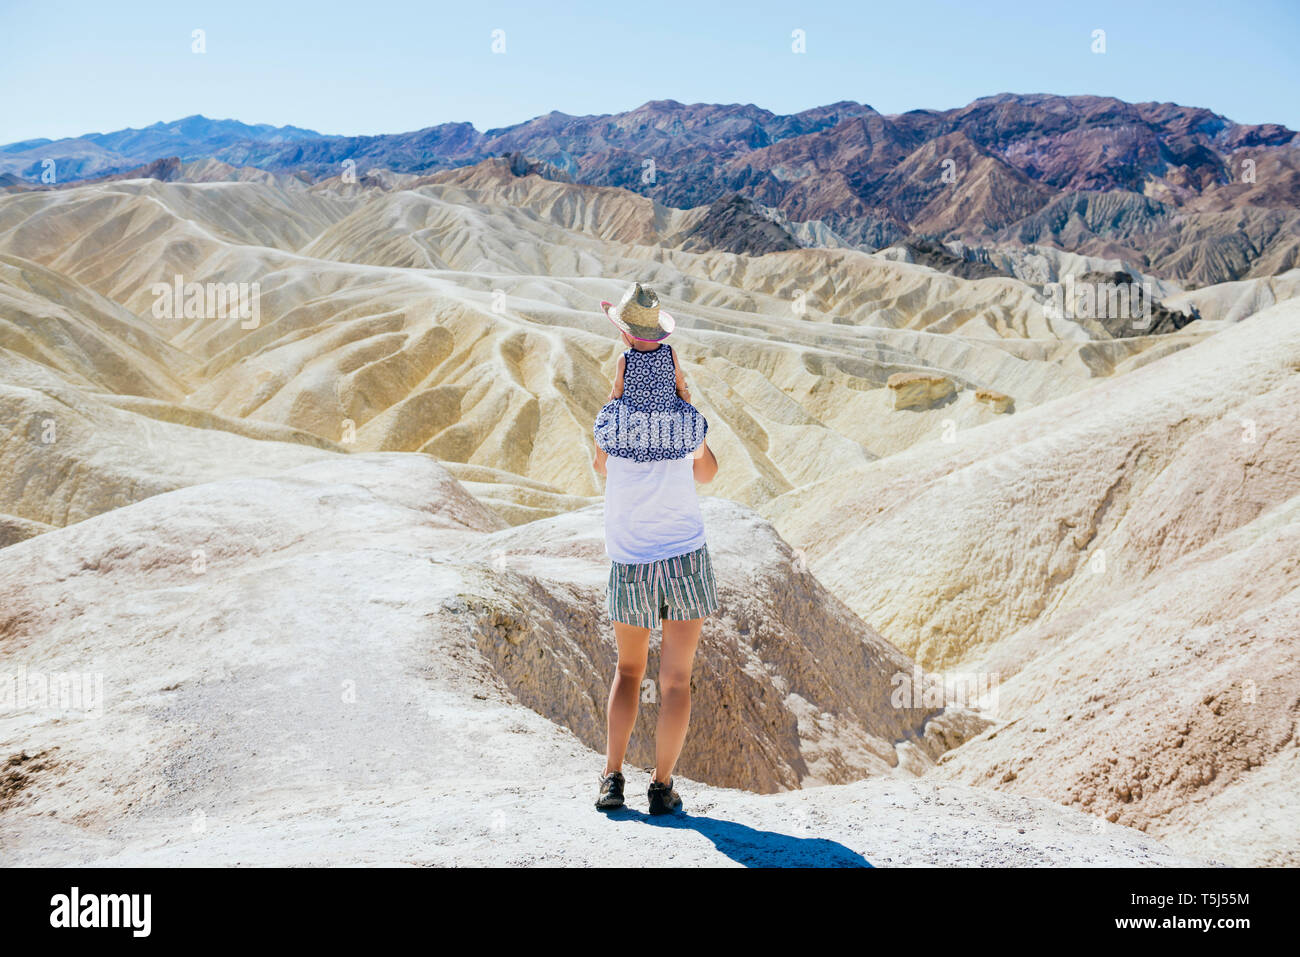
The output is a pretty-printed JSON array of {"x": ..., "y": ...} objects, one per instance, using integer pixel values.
[{"x": 676, "y": 589}]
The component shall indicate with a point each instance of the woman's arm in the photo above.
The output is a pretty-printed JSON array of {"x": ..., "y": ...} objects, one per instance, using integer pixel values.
[
  {"x": 705, "y": 466},
  {"x": 598, "y": 463}
]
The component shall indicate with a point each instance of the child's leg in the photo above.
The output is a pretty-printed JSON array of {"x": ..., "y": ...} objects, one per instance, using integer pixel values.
[
  {"x": 633, "y": 644},
  {"x": 676, "y": 658}
]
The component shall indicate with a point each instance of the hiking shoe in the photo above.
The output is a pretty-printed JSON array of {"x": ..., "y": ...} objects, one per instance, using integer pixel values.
[
  {"x": 663, "y": 799},
  {"x": 611, "y": 792}
]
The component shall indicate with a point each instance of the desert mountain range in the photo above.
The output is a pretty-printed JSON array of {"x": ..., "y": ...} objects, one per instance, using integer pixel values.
[
  {"x": 1172, "y": 191},
  {"x": 338, "y": 561}
]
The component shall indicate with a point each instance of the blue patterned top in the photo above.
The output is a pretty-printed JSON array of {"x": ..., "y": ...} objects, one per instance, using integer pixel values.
[{"x": 650, "y": 422}]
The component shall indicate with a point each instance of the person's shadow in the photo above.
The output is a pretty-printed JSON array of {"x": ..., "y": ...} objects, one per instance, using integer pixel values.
[{"x": 751, "y": 847}]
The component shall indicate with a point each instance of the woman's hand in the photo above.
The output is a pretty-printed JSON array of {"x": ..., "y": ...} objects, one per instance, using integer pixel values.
[{"x": 705, "y": 466}]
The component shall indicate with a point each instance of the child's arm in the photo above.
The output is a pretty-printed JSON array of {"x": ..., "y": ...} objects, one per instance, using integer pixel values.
[
  {"x": 682, "y": 391},
  {"x": 617, "y": 391}
]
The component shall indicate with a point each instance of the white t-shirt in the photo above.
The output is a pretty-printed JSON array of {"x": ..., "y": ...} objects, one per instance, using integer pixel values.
[{"x": 651, "y": 510}]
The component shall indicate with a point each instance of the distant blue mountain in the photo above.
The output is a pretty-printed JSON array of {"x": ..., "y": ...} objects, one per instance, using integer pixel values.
[{"x": 100, "y": 154}]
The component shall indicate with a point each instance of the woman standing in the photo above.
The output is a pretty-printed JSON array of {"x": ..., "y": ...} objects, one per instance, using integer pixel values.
[{"x": 660, "y": 574}]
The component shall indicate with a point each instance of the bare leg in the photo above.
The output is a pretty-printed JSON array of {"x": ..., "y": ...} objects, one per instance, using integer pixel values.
[
  {"x": 633, "y": 644},
  {"x": 676, "y": 658}
]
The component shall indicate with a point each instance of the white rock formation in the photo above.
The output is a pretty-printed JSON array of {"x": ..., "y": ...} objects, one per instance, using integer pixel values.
[
  {"x": 335, "y": 665},
  {"x": 1125, "y": 559}
]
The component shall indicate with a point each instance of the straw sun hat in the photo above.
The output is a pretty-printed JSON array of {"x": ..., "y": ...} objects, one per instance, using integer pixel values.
[{"x": 638, "y": 314}]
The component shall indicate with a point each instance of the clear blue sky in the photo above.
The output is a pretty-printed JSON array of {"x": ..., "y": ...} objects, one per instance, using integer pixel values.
[{"x": 387, "y": 67}]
